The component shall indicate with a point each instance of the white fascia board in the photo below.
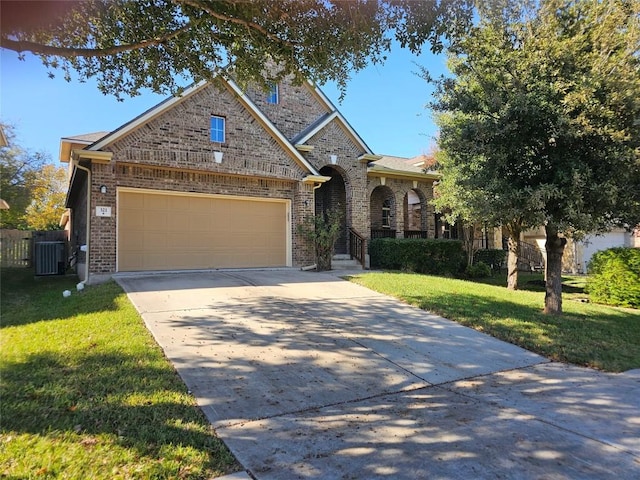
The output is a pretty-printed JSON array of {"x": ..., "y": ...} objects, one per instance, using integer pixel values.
[
  {"x": 145, "y": 117},
  {"x": 271, "y": 127}
]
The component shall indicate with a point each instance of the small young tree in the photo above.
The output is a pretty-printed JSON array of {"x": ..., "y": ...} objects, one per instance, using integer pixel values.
[
  {"x": 48, "y": 192},
  {"x": 19, "y": 171},
  {"x": 322, "y": 230}
]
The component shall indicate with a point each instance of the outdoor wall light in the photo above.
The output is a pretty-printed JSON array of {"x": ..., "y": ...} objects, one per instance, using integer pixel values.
[
  {"x": 217, "y": 156},
  {"x": 103, "y": 189},
  {"x": 334, "y": 159}
]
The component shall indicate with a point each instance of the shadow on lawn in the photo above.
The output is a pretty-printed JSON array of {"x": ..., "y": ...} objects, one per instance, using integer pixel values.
[
  {"x": 533, "y": 282},
  {"x": 578, "y": 336},
  {"x": 142, "y": 407},
  {"x": 26, "y": 298}
]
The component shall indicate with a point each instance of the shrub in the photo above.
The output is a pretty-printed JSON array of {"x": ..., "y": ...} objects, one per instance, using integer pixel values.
[
  {"x": 614, "y": 277},
  {"x": 494, "y": 258},
  {"x": 436, "y": 257},
  {"x": 478, "y": 270},
  {"x": 322, "y": 231}
]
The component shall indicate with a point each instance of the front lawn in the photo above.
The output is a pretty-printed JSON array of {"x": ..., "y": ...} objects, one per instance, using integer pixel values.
[
  {"x": 597, "y": 336},
  {"x": 87, "y": 393}
]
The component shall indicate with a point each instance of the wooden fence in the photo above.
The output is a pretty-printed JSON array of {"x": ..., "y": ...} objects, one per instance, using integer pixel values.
[{"x": 17, "y": 246}]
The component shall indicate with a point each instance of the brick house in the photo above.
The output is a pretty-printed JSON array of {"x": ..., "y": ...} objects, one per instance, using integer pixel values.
[{"x": 219, "y": 177}]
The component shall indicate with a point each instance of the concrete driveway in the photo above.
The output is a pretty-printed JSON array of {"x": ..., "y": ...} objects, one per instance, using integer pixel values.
[{"x": 305, "y": 375}]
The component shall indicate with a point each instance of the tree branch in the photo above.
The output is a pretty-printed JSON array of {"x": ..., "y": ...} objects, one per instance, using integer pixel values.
[
  {"x": 238, "y": 21},
  {"x": 41, "y": 49}
]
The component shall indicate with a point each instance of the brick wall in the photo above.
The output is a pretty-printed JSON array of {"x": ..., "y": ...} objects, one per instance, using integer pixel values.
[
  {"x": 297, "y": 109},
  {"x": 399, "y": 188},
  {"x": 334, "y": 140}
]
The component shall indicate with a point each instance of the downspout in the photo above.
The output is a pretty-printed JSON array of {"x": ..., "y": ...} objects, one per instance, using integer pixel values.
[
  {"x": 76, "y": 163},
  {"x": 315, "y": 265}
]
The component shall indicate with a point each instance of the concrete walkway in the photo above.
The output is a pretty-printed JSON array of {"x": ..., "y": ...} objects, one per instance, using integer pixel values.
[{"x": 305, "y": 375}]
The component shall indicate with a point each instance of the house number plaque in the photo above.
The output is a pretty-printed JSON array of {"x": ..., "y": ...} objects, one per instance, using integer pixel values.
[{"x": 103, "y": 211}]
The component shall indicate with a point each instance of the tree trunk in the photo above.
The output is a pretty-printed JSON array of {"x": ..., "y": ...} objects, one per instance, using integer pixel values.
[
  {"x": 468, "y": 233},
  {"x": 323, "y": 260},
  {"x": 553, "y": 285},
  {"x": 514, "y": 229},
  {"x": 512, "y": 262}
]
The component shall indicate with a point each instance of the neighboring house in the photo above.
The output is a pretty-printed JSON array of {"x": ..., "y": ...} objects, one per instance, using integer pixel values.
[
  {"x": 220, "y": 178},
  {"x": 577, "y": 255}
]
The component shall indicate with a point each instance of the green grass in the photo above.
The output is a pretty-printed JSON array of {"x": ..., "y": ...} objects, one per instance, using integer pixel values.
[
  {"x": 596, "y": 336},
  {"x": 87, "y": 393}
]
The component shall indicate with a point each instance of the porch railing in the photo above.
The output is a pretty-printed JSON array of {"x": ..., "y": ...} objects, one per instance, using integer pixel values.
[
  {"x": 383, "y": 233},
  {"x": 415, "y": 234},
  {"x": 532, "y": 255},
  {"x": 357, "y": 246}
]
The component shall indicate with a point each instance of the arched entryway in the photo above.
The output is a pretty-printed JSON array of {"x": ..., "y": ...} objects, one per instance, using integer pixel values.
[
  {"x": 330, "y": 196},
  {"x": 383, "y": 212},
  {"x": 415, "y": 214}
]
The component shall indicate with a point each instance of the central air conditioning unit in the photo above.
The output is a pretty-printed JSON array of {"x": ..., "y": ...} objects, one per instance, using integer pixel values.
[{"x": 50, "y": 258}]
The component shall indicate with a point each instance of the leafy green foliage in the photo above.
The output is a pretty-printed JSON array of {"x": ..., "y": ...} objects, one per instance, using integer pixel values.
[
  {"x": 322, "y": 231},
  {"x": 87, "y": 393},
  {"x": 539, "y": 123},
  {"x": 20, "y": 172},
  {"x": 494, "y": 258},
  {"x": 614, "y": 277},
  {"x": 48, "y": 194},
  {"x": 478, "y": 270},
  {"x": 129, "y": 45},
  {"x": 596, "y": 336},
  {"x": 437, "y": 257}
]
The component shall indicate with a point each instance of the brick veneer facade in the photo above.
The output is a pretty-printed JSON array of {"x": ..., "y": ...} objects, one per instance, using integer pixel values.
[{"x": 173, "y": 152}]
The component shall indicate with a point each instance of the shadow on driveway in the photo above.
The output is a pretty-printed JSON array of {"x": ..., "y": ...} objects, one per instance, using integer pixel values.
[{"x": 308, "y": 376}]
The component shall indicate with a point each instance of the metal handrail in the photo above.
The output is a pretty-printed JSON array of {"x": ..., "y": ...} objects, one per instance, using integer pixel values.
[{"x": 357, "y": 246}]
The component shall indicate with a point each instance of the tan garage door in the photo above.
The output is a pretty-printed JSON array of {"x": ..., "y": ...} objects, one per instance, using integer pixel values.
[{"x": 167, "y": 232}]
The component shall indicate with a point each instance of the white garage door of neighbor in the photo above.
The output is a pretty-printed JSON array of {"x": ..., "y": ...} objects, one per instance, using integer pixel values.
[{"x": 158, "y": 231}]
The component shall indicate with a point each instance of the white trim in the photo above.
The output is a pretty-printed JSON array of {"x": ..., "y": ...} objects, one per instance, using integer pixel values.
[{"x": 286, "y": 201}]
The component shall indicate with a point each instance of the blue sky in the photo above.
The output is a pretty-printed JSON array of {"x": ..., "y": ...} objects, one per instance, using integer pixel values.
[{"x": 384, "y": 104}]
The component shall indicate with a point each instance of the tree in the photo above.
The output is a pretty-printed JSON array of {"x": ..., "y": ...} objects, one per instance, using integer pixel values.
[
  {"x": 48, "y": 194},
  {"x": 129, "y": 45},
  {"x": 18, "y": 173},
  {"x": 322, "y": 231},
  {"x": 540, "y": 120}
]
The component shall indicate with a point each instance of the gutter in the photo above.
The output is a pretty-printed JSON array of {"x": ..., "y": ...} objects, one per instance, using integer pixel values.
[{"x": 76, "y": 163}]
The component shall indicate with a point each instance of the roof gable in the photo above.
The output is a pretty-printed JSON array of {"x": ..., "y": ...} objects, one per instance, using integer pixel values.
[{"x": 172, "y": 102}]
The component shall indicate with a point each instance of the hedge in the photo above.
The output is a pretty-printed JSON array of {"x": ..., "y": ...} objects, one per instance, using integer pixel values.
[
  {"x": 436, "y": 257},
  {"x": 496, "y": 259},
  {"x": 614, "y": 277}
]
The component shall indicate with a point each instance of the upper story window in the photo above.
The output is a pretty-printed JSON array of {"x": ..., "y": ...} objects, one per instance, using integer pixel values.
[
  {"x": 217, "y": 129},
  {"x": 274, "y": 94}
]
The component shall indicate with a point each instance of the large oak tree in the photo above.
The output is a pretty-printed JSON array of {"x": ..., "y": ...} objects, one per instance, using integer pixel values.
[
  {"x": 128, "y": 45},
  {"x": 540, "y": 122}
]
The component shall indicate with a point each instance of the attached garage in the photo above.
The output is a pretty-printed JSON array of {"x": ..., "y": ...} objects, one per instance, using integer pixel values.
[{"x": 178, "y": 231}]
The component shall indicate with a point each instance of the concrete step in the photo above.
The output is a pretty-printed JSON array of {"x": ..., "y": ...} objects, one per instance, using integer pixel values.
[{"x": 344, "y": 262}]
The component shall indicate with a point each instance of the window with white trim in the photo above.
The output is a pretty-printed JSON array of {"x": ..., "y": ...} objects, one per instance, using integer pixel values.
[
  {"x": 217, "y": 129},
  {"x": 386, "y": 213}
]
